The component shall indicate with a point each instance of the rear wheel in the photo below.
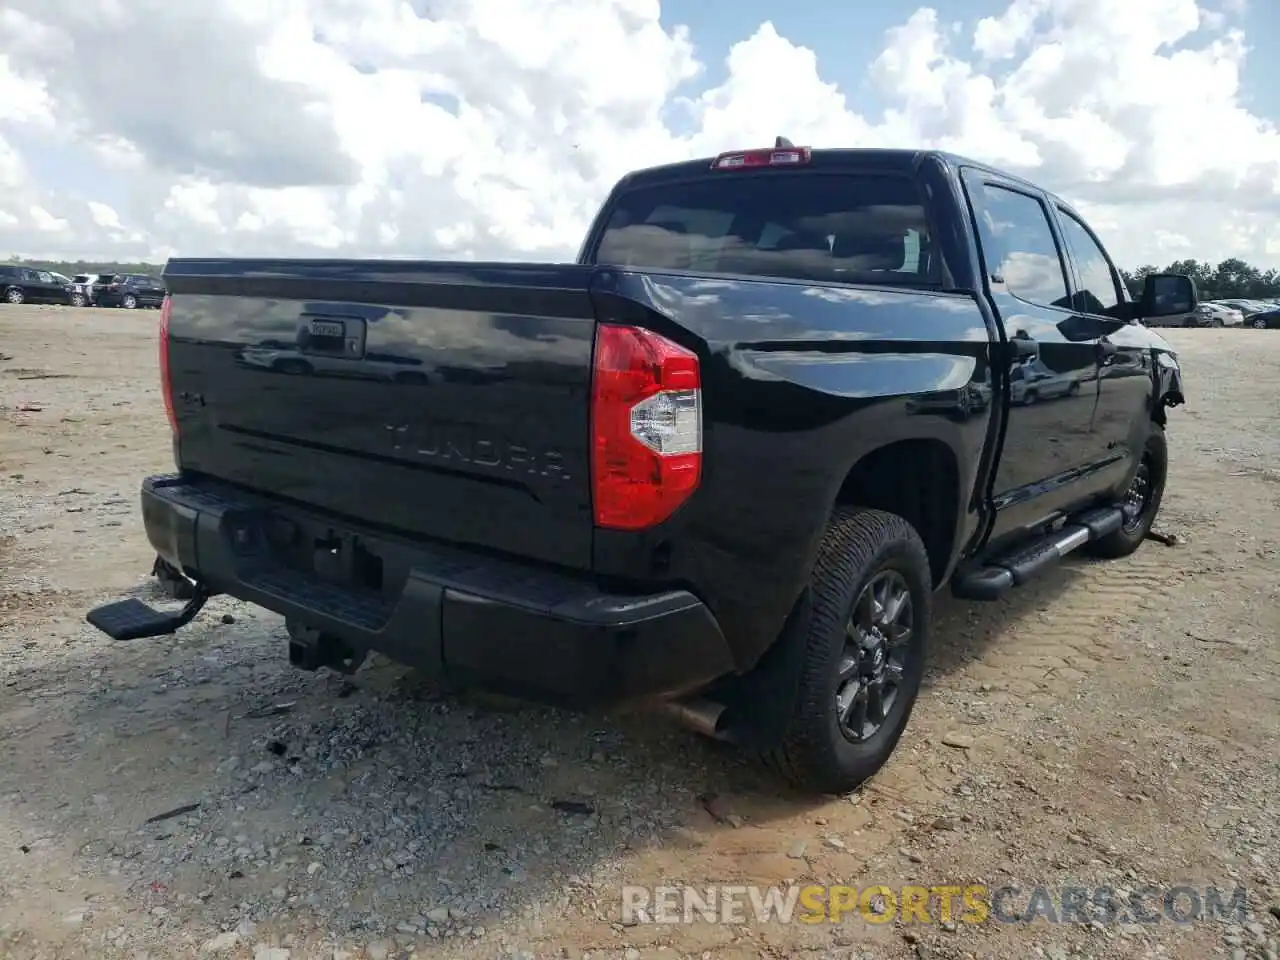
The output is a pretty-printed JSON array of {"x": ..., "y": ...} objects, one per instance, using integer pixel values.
[
  {"x": 1259, "y": 323},
  {"x": 77, "y": 300},
  {"x": 15, "y": 295},
  {"x": 130, "y": 302},
  {"x": 863, "y": 643},
  {"x": 1141, "y": 502}
]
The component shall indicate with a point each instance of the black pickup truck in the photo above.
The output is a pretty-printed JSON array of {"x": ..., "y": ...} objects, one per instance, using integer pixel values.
[{"x": 720, "y": 464}]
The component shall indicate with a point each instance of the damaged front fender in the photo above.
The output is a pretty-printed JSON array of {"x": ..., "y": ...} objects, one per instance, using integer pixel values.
[{"x": 1168, "y": 391}]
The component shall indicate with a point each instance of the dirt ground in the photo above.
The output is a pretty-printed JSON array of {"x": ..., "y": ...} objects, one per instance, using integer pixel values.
[{"x": 1116, "y": 725}]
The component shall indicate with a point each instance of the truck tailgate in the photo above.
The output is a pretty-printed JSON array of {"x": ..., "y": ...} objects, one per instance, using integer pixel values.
[{"x": 445, "y": 401}]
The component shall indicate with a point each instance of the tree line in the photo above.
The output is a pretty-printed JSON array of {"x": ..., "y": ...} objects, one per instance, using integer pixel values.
[
  {"x": 69, "y": 268},
  {"x": 1231, "y": 279}
]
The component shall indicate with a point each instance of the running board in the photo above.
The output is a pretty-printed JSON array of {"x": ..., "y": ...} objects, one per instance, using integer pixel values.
[
  {"x": 1000, "y": 575},
  {"x": 134, "y": 620}
]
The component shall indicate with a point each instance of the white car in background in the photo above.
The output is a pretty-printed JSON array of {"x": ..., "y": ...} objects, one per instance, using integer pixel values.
[
  {"x": 1246, "y": 307},
  {"x": 1214, "y": 313}
]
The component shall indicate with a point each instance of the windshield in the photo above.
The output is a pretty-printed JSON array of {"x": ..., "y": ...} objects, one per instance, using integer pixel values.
[{"x": 844, "y": 228}]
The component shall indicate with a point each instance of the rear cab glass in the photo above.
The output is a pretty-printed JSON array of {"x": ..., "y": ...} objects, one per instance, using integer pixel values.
[{"x": 854, "y": 227}]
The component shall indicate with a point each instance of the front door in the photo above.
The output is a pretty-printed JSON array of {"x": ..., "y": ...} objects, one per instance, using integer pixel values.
[
  {"x": 1050, "y": 451},
  {"x": 1126, "y": 379}
]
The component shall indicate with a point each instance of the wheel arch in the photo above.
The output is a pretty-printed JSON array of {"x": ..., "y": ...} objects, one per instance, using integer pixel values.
[{"x": 919, "y": 480}]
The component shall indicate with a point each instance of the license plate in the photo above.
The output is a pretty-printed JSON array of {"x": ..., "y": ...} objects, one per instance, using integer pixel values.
[{"x": 328, "y": 328}]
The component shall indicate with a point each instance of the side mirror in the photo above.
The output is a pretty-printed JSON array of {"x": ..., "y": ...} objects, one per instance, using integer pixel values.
[{"x": 1167, "y": 295}]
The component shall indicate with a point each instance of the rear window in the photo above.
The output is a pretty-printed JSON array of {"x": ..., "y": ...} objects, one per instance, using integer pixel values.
[{"x": 838, "y": 228}]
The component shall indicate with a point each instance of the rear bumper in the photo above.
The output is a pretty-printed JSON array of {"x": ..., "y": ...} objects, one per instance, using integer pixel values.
[{"x": 453, "y": 614}]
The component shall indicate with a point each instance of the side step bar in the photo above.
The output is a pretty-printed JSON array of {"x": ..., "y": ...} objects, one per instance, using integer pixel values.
[
  {"x": 134, "y": 620},
  {"x": 1000, "y": 575}
]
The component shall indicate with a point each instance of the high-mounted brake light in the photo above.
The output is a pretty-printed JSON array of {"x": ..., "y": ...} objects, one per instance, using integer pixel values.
[
  {"x": 747, "y": 159},
  {"x": 166, "y": 390},
  {"x": 646, "y": 427}
]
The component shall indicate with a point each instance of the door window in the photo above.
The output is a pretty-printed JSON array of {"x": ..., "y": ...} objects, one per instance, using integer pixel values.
[
  {"x": 1026, "y": 256},
  {"x": 1099, "y": 292}
]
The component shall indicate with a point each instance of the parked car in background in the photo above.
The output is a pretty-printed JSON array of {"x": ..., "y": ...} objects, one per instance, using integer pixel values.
[
  {"x": 1213, "y": 314},
  {"x": 1031, "y": 381},
  {"x": 128, "y": 290},
  {"x": 25, "y": 285},
  {"x": 82, "y": 289},
  {"x": 1188, "y": 319},
  {"x": 1246, "y": 307},
  {"x": 1265, "y": 319}
]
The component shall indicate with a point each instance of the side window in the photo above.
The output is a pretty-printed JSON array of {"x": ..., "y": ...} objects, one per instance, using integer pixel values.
[
  {"x": 1098, "y": 293},
  {"x": 44, "y": 277},
  {"x": 1026, "y": 257}
]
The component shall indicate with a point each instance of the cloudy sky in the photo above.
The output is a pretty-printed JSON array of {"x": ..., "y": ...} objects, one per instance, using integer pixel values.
[{"x": 493, "y": 128}]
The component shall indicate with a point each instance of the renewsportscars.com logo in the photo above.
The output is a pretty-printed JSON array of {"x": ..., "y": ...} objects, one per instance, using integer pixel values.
[{"x": 942, "y": 904}]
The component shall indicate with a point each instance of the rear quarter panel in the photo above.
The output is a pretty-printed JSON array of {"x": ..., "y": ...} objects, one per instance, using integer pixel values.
[{"x": 800, "y": 382}]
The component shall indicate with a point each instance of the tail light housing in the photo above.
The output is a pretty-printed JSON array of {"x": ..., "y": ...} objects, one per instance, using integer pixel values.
[
  {"x": 646, "y": 427},
  {"x": 166, "y": 387}
]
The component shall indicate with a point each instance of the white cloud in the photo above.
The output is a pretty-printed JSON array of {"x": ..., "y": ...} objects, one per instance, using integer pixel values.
[
  {"x": 103, "y": 215},
  {"x": 493, "y": 128},
  {"x": 44, "y": 221}
]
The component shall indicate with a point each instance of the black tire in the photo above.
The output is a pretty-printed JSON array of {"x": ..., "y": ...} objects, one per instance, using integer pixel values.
[
  {"x": 15, "y": 295},
  {"x": 860, "y": 546},
  {"x": 1260, "y": 323},
  {"x": 1155, "y": 467},
  {"x": 1030, "y": 397},
  {"x": 297, "y": 368},
  {"x": 130, "y": 302},
  {"x": 78, "y": 300}
]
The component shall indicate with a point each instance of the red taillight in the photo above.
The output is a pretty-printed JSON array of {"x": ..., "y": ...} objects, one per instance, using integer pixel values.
[
  {"x": 646, "y": 427},
  {"x": 746, "y": 159},
  {"x": 166, "y": 390}
]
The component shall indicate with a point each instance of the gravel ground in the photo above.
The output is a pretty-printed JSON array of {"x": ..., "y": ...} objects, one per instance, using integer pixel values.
[{"x": 1114, "y": 724}]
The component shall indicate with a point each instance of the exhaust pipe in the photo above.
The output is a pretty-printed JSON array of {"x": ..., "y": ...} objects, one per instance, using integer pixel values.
[{"x": 699, "y": 715}]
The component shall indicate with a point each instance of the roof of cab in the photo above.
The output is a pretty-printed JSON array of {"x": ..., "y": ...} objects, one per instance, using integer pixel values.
[{"x": 828, "y": 158}]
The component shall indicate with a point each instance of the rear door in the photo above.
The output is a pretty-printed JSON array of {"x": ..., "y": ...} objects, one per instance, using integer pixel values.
[{"x": 1051, "y": 453}]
